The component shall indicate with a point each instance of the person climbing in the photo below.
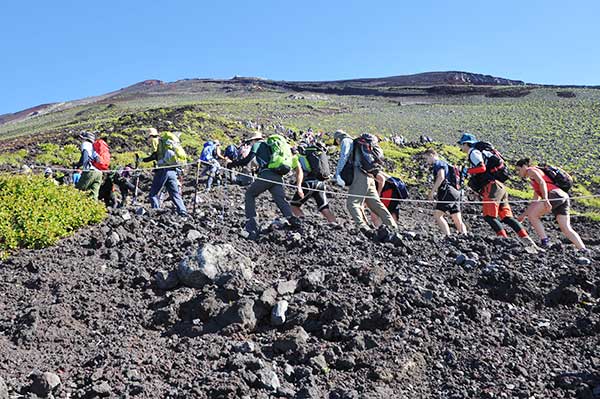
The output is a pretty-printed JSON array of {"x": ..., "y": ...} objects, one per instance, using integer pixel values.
[
  {"x": 359, "y": 162},
  {"x": 391, "y": 190},
  {"x": 273, "y": 156},
  {"x": 445, "y": 189},
  {"x": 487, "y": 172},
  {"x": 106, "y": 193},
  {"x": 553, "y": 200},
  {"x": 91, "y": 178},
  {"x": 311, "y": 164},
  {"x": 76, "y": 176},
  {"x": 168, "y": 156},
  {"x": 49, "y": 174},
  {"x": 209, "y": 158},
  {"x": 153, "y": 140}
]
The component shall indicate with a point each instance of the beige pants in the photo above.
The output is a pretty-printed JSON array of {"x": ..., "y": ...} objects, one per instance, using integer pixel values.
[{"x": 365, "y": 185}]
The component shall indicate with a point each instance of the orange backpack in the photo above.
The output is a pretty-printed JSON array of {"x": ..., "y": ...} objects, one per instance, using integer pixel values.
[{"x": 102, "y": 161}]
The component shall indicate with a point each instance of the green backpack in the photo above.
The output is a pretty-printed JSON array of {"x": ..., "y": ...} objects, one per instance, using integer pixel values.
[
  {"x": 169, "y": 141},
  {"x": 281, "y": 155}
]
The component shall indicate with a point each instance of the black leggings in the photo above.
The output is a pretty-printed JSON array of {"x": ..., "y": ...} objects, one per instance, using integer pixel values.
[{"x": 510, "y": 221}]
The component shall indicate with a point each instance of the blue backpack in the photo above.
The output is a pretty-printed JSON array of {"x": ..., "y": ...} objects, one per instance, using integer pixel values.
[
  {"x": 400, "y": 187},
  {"x": 231, "y": 152},
  {"x": 208, "y": 151}
]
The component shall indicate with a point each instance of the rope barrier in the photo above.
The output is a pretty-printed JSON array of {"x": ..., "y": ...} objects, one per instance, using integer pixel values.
[{"x": 333, "y": 193}]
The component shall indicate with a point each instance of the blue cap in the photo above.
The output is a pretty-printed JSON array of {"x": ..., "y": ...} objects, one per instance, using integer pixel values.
[{"x": 467, "y": 139}]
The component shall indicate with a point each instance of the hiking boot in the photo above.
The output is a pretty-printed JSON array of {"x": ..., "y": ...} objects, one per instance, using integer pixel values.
[
  {"x": 384, "y": 234},
  {"x": 367, "y": 232},
  {"x": 295, "y": 222},
  {"x": 584, "y": 252},
  {"x": 252, "y": 235}
]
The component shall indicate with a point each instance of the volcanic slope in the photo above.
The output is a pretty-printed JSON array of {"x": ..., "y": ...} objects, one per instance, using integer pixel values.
[{"x": 365, "y": 319}]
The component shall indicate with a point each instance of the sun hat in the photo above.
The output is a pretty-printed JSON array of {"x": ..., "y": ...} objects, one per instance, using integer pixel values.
[{"x": 467, "y": 138}]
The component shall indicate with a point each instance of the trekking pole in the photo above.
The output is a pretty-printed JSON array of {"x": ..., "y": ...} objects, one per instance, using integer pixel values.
[{"x": 196, "y": 187}]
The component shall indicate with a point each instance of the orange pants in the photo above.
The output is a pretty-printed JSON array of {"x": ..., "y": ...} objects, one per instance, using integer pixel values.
[{"x": 498, "y": 205}]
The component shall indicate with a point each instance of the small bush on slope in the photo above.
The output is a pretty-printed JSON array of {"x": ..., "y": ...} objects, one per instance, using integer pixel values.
[{"x": 35, "y": 213}]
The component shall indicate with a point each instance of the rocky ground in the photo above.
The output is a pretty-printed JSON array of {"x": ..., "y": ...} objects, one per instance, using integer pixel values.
[{"x": 150, "y": 305}]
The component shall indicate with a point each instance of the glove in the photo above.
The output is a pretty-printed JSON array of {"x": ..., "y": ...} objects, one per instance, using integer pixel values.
[
  {"x": 464, "y": 172},
  {"x": 340, "y": 182}
]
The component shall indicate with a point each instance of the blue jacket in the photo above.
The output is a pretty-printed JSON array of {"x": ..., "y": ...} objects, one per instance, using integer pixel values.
[{"x": 345, "y": 150}]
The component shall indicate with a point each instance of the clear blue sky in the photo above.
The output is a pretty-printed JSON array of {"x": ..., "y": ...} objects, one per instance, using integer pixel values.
[{"x": 63, "y": 50}]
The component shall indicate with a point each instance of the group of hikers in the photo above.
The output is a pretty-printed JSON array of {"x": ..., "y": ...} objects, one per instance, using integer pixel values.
[{"x": 261, "y": 163}]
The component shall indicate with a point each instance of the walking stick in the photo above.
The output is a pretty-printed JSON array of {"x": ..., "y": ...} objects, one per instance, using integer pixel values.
[{"x": 196, "y": 187}]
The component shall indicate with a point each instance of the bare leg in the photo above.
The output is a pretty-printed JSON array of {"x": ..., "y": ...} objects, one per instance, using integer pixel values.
[
  {"x": 458, "y": 223},
  {"x": 297, "y": 211},
  {"x": 328, "y": 215},
  {"x": 534, "y": 213},
  {"x": 564, "y": 222},
  {"x": 441, "y": 222}
]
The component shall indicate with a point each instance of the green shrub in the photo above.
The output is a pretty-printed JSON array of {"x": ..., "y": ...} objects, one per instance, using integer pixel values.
[
  {"x": 36, "y": 213},
  {"x": 53, "y": 154},
  {"x": 13, "y": 158}
]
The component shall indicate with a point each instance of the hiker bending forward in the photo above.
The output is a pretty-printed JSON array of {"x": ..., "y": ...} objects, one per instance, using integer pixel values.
[
  {"x": 267, "y": 180},
  {"x": 554, "y": 200},
  {"x": 363, "y": 187}
]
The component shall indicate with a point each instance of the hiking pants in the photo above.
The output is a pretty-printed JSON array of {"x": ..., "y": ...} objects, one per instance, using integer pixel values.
[
  {"x": 90, "y": 180},
  {"x": 364, "y": 185},
  {"x": 166, "y": 178},
  {"x": 274, "y": 185},
  {"x": 211, "y": 170}
]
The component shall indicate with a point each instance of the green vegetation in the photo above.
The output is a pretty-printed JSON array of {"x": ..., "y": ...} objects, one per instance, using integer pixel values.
[
  {"x": 35, "y": 212},
  {"x": 14, "y": 159},
  {"x": 53, "y": 154},
  {"x": 564, "y": 131}
]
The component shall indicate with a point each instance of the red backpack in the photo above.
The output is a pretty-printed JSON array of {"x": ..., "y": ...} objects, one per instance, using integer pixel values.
[{"x": 102, "y": 161}]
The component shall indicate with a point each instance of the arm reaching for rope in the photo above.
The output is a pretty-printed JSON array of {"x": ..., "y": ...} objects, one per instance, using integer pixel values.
[{"x": 299, "y": 179}]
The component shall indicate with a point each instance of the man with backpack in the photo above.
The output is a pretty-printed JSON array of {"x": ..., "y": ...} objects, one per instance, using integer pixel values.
[
  {"x": 94, "y": 158},
  {"x": 209, "y": 157},
  {"x": 550, "y": 186},
  {"x": 312, "y": 170},
  {"x": 168, "y": 156},
  {"x": 360, "y": 161},
  {"x": 446, "y": 189},
  {"x": 391, "y": 190},
  {"x": 274, "y": 158},
  {"x": 487, "y": 173}
]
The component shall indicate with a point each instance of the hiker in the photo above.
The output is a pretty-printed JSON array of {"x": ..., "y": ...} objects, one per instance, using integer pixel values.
[
  {"x": 209, "y": 158},
  {"x": 76, "y": 176},
  {"x": 49, "y": 174},
  {"x": 487, "y": 173},
  {"x": 168, "y": 155},
  {"x": 390, "y": 190},
  {"x": 119, "y": 178},
  {"x": 273, "y": 157},
  {"x": 360, "y": 167},
  {"x": 122, "y": 179},
  {"x": 91, "y": 176},
  {"x": 153, "y": 140},
  {"x": 553, "y": 200},
  {"x": 312, "y": 170},
  {"x": 446, "y": 190}
]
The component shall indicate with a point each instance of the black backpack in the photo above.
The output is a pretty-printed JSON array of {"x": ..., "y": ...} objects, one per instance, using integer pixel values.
[
  {"x": 454, "y": 178},
  {"x": 494, "y": 164},
  {"x": 399, "y": 186},
  {"x": 317, "y": 158},
  {"x": 371, "y": 155},
  {"x": 559, "y": 177}
]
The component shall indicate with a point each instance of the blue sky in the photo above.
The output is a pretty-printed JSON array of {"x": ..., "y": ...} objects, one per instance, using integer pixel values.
[{"x": 63, "y": 50}]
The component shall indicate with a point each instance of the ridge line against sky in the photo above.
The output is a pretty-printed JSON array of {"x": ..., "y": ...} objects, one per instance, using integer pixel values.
[{"x": 66, "y": 50}]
